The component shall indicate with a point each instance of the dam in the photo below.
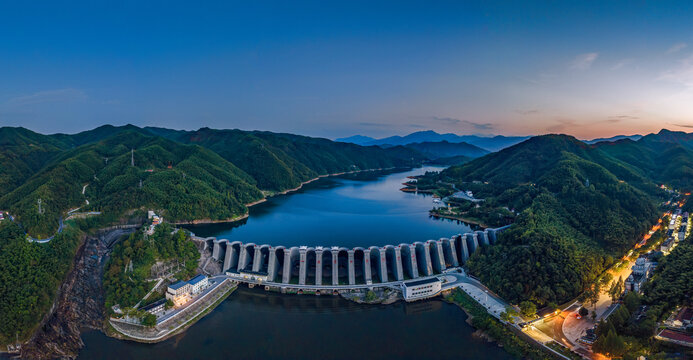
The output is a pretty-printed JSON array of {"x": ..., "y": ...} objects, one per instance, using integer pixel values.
[{"x": 335, "y": 268}]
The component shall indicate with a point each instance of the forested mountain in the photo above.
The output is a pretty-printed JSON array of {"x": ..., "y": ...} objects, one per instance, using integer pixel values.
[
  {"x": 23, "y": 153},
  {"x": 578, "y": 208},
  {"x": 444, "y": 149},
  {"x": 204, "y": 174},
  {"x": 665, "y": 157},
  {"x": 30, "y": 273},
  {"x": 282, "y": 161}
]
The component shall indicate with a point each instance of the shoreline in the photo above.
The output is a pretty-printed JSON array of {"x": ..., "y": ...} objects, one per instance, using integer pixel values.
[
  {"x": 112, "y": 330},
  {"x": 248, "y": 205},
  {"x": 459, "y": 218}
]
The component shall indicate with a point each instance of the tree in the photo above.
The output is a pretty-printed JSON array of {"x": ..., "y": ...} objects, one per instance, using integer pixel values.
[
  {"x": 169, "y": 304},
  {"x": 528, "y": 309},
  {"x": 506, "y": 317},
  {"x": 552, "y": 305},
  {"x": 590, "y": 296},
  {"x": 583, "y": 311},
  {"x": 612, "y": 344},
  {"x": 632, "y": 301},
  {"x": 616, "y": 289},
  {"x": 605, "y": 280},
  {"x": 370, "y": 296},
  {"x": 149, "y": 320}
]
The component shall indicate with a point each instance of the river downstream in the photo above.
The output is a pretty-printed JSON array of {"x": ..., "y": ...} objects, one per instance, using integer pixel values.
[{"x": 352, "y": 210}]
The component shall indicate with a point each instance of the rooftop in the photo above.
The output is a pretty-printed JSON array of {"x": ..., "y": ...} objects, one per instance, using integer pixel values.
[
  {"x": 675, "y": 335},
  {"x": 154, "y": 304},
  {"x": 685, "y": 314},
  {"x": 197, "y": 279},
  {"x": 178, "y": 285},
  {"x": 421, "y": 282}
]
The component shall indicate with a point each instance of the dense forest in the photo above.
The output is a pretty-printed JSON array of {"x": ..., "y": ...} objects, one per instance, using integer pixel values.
[
  {"x": 282, "y": 161},
  {"x": 30, "y": 274},
  {"x": 186, "y": 175},
  {"x": 129, "y": 267},
  {"x": 575, "y": 214}
]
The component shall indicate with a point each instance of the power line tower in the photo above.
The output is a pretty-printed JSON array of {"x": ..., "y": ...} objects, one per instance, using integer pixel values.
[
  {"x": 40, "y": 210},
  {"x": 140, "y": 183},
  {"x": 132, "y": 157}
]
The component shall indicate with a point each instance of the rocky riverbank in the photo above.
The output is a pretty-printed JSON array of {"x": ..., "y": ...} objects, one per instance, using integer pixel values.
[
  {"x": 79, "y": 304},
  {"x": 383, "y": 296}
]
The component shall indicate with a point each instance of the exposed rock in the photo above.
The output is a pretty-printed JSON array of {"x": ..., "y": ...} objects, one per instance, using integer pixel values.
[{"x": 79, "y": 304}]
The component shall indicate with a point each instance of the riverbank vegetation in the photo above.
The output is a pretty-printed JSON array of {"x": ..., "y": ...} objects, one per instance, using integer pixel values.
[
  {"x": 30, "y": 275},
  {"x": 128, "y": 277}
]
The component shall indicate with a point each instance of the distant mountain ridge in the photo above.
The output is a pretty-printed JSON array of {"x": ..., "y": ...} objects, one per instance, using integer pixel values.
[
  {"x": 614, "y": 138},
  {"x": 494, "y": 143},
  {"x": 490, "y": 143}
]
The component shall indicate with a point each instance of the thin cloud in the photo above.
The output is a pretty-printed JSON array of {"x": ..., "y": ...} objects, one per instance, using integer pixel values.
[
  {"x": 527, "y": 112},
  {"x": 619, "y": 118},
  {"x": 584, "y": 61},
  {"x": 453, "y": 121},
  {"x": 689, "y": 126},
  {"x": 621, "y": 64},
  {"x": 372, "y": 124},
  {"x": 561, "y": 125},
  {"x": 682, "y": 74},
  {"x": 48, "y": 96},
  {"x": 677, "y": 47}
]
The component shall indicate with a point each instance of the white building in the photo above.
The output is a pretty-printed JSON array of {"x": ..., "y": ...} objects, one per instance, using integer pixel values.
[
  {"x": 178, "y": 292},
  {"x": 421, "y": 289},
  {"x": 198, "y": 283}
]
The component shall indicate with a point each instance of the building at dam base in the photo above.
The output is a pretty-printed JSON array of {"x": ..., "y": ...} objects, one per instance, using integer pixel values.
[{"x": 339, "y": 267}]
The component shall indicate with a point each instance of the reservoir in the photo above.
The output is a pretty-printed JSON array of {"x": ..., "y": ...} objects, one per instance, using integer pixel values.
[
  {"x": 350, "y": 210},
  {"x": 362, "y": 209}
]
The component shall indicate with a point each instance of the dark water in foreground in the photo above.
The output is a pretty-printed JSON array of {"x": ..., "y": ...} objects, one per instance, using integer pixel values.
[
  {"x": 356, "y": 210},
  {"x": 254, "y": 324}
]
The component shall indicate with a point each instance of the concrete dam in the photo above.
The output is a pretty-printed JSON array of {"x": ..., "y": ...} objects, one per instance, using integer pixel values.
[{"x": 339, "y": 267}]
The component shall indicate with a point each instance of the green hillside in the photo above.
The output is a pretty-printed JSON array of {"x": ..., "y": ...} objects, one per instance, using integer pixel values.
[
  {"x": 665, "y": 157},
  {"x": 444, "y": 149},
  {"x": 23, "y": 153},
  {"x": 282, "y": 161},
  {"x": 199, "y": 184},
  {"x": 576, "y": 210},
  {"x": 30, "y": 274},
  {"x": 213, "y": 173}
]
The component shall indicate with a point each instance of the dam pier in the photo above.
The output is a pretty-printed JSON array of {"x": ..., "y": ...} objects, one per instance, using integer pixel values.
[{"x": 329, "y": 269}]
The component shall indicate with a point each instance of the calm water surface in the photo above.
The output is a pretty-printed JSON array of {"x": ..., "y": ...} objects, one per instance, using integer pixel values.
[{"x": 354, "y": 210}]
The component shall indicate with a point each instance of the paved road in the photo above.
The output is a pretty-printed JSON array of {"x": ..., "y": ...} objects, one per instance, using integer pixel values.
[{"x": 43, "y": 241}]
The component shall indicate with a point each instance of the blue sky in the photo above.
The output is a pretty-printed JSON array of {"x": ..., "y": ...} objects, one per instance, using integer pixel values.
[{"x": 335, "y": 69}]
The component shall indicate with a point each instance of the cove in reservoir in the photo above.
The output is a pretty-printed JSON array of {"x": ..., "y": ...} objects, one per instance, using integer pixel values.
[{"x": 352, "y": 210}]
